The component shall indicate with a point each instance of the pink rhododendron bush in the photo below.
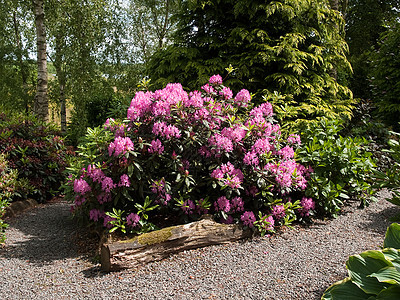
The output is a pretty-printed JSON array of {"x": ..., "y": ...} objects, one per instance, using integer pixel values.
[{"x": 181, "y": 155}]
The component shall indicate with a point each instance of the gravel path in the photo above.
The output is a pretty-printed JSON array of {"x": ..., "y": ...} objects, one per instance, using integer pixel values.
[{"x": 43, "y": 259}]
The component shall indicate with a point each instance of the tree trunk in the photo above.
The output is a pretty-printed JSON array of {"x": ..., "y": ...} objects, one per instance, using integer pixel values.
[
  {"x": 58, "y": 64},
  {"x": 41, "y": 106},
  {"x": 21, "y": 62}
]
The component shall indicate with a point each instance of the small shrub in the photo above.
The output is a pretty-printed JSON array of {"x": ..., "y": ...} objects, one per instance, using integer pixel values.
[
  {"x": 343, "y": 169},
  {"x": 10, "y": 187},
  {"x": 37, "y": 151},
  {"x": 180, "y": 155},
  {"x": 390, "y": 179},
  {"x": 373, "y": 274}
]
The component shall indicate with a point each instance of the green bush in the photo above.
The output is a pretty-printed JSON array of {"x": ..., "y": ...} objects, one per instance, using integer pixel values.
[
  {"x": 373, "y": 274},
  {"x": 390, "y": 179},
  {"x": 10, "y": 187},
  {"x": 37, "y": 151},
  {"x": 343, "y": 169}
]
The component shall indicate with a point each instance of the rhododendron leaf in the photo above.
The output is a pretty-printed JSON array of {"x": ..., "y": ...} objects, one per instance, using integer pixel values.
[{"x": 392, "y": 238}]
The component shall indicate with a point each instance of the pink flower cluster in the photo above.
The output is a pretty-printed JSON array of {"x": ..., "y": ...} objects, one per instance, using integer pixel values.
[
  {"x": 242, "y": 98},
  {"x": 132, "y": 220},
  {"x": 81, "y": 186},
  {"x": 228, "y": 175},
  {"x": 248, "y": 218},
  {"x": 307, "y": 204},
  {"x": 158, "y": 187},
  {"x": 167, "y": 131},
  {"x": 156, "y": 147},
  {"x": 278, "y": 211},
  {"x": 215, "y": 79},
  {"x": 120, "y": 146}
]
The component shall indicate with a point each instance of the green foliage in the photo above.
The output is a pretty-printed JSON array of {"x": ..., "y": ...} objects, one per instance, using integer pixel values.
[
  {"x": 373, "y": 274},
  {"x": 366, "y": 20},
  {"x": 385, "y": 77},
  {"x": 36, "y": 151},
  {"x": 293, "y": 47},
  {"x": 343, "y": 169},
  {"x": 390, "y": 179},
  {"x": 10, "y": 188}
]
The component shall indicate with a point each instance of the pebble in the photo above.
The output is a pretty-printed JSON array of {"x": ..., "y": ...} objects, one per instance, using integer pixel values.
[{"x": 40, "y": 262}]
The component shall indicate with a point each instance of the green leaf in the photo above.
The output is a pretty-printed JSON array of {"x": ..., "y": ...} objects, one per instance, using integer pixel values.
[
  {"x": 392, "y": 238},
  {"x": 388, "y": 274},
  {"x": 344, "y": 289},
  {"x": 391, "y": 293},
  {"x": 364, "y": 264}
]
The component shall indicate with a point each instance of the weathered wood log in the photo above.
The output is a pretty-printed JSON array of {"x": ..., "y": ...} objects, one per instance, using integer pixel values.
[{"x": 160, "y": 244}]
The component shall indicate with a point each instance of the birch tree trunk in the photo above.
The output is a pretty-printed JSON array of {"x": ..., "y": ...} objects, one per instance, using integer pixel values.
[
  {"x": 58, "y": 64},
  {"x": 41, "y": 105}
]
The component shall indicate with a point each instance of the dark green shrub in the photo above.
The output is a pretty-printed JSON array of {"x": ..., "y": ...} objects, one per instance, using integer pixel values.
[
  {"x": 10, "y": 187},
  {"x": 37, "y": 151},
  {"x": 343, "y": 168}
]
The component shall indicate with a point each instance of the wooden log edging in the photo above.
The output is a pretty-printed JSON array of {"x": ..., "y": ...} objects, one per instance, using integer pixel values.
[{"x": 157, "y": 245}]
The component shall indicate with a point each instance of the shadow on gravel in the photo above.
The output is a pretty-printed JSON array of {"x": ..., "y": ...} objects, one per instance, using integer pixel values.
[
  {"x": 379, "y": 221},
  {"x": 42, "y": 235}
]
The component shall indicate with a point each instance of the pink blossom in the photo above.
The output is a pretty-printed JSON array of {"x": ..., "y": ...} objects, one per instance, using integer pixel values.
[
  {"x": 278, "y": 211},
  {"x": 188, "y": 207},
  {"x": 243, "y": 98},
  {"x": 156, "y": 147},
  {"x": 228, "y": 220},
  {"x": 167, "y": 131},
  {"x": 294, "y": 139},
  {"x": 194, "y": 100},
  {"x": 261, "y": 146},
  {"x": 237, "y": 204},
  {"x": 287, "y": 152},
  {"x": 107, "y": 184},
  {"x": 269, "y": 223},
  {"x": 140, "y": 105},
  {"x": 230, "y": 176},
  {"x": 248, "y": 218},
  {"x": 124, "y": 181},
  {"x": 95, "y": 174},
  {"x": 120, "y": 146},
  {"x": 251, "y": 159},
  {"x": 220, "y": 143},
  {"x": 208, "y": 89},
  {"x": 252, "y": 191},
  {"x": 236, "y": 133},
  {"x": 263, "y": 110},
  {"x": 81, "y": 186},
  {"x": 226, "y": 93},
  {"x": 107, "y": 220},
  {"x": 95, "y": 214},
  {"x": 307, "y": 205},
  {"x": 215, "y": 79},
  {"x": 200, "y": 208},
  {"x": 132, "y": 220},
  {"x": 104, "y": 197},
  {"x": 222, "y": 204}
]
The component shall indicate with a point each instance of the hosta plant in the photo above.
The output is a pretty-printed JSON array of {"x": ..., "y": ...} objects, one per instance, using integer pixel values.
[
  {"x": 373, "y": 274},
  {"x": 181, "y": 155}
]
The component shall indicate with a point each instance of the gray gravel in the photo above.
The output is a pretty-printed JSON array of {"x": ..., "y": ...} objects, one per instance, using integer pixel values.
[{"x": 41, "y": 260}]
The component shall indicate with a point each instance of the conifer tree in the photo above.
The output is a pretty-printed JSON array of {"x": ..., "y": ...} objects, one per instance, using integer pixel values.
[{"x": 284, "y": 50}]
